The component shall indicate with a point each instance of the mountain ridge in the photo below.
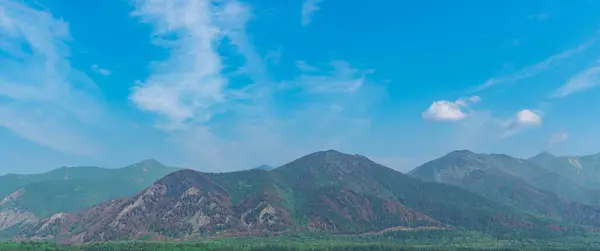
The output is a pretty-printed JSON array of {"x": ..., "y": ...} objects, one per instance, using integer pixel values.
[
  {"x": 515, "y": 182},
  {"x": 584, "y": 169},
  {"x": 323, "y": 191}
]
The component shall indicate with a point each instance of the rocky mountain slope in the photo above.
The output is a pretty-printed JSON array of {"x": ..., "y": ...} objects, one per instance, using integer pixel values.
[
  {"x": 27, "y": 198},
  {"x": 514, "y": 182},
  {"x": 324, "y": 191},
  {"x": 581, "y": 169}
]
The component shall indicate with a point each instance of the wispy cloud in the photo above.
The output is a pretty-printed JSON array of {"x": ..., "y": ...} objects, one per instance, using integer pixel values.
[
  {"x": 309, "y": 7},
  {"x": 523, "y": 119},
  {"x": 274, "y": 56},
  {"x": 188, "y": 90},
  {"x": 185, "y": 88},
  {"x": 342, "y": 78},
  {"x": 444, "y": 110},
  {"x": 43, "y": 97},
  {"x": 585, "y": 80},
  {"x": 303, "y": 66},
  {"x": 536, "y": 69},
  {"x": 558, "y": 137},
  {"x": 101, "y": 70}
]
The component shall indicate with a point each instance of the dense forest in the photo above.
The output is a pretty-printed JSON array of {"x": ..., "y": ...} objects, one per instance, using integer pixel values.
[
  {"x": 397, "y": 240},
  {"x": 269, "y": 247}
]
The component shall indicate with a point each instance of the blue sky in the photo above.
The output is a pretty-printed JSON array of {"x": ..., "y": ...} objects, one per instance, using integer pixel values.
[{"x": 227, "y": 85}]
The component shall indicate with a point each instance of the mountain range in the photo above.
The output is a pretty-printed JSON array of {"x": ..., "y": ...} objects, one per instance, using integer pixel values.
[
  {"x": 518, "y": 183},
  {"x": 581, "y": 169},
  {"x": 326, "y": 191}
]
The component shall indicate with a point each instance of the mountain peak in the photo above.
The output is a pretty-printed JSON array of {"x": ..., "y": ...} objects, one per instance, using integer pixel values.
[
  {"x": 460, "y": 153},
  {"x": 463, "y": 151},
  {"x": 150, "y": 162},
  {"x": 330, "y": 151},
  {"x": 179, "y": 181},
  {"x": 147, "y": 163},
  {"x": 332, "y": 154},
  {"x": 544, "y": 154},
  {"x": 457, "y": 158},
  {"x": 329, "y": 162}
]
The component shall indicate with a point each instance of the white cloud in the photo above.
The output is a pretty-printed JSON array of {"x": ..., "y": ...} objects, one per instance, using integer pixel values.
[
  {"x": 101, "y": 70},
  {"x": 44, "y": 99},
  {"x": 474, "y": 99},
  {"x": 528, "y": 118},
  {"x": 444, "y": 110},
  {"x": 537, "y": 68},
  {"x": 583, "y": 81},
  {"x": 522, "y": 120},
  {"x": 558, "y": 137},
  {"x": 186, "y": 87},
  {"x": 309, "y": 7},
  {"x": 466, "y": 101}
]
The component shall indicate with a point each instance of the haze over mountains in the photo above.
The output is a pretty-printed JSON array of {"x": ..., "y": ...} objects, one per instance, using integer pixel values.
[
  {"x": 582, "y": 169},
  {"x": 323, "y": 191}
]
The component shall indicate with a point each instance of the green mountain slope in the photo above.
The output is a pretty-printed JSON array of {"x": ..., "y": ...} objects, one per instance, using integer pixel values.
[
  {"x": 142, "y": 173},
  {"x": 71, "y": 189},
  {"x": 324, "y": 191},
  {"x": 500, "y": 178},
  {"x": 581, "y": 169},
  {"x": 47, "y": 197}
]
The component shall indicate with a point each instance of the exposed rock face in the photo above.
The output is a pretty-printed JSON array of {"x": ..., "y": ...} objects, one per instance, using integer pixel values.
[
  {"x": 183, "y": 204},
  {"x": 10, "y": 218},
  {"x": 12, "y": 197}
]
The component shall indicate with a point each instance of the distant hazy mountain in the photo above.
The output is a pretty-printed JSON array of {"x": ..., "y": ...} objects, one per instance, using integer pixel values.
[
  {"x": 324, "y": 191},
  {"x": 582, "y": 169},
  {"x": 26, "y": 198},
  {"x": 514, "y": 182},
  {"x": 264, "y": 167}
]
